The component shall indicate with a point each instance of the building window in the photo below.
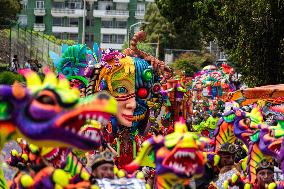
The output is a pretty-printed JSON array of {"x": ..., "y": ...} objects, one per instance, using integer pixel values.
[
  {"x": 121, "y": 6},
  {"x": 64, "y": 36},
  {"x": 113, "y": 38},
  {"x": 88, "y": 22},
  {"x": 40, "y": 4},
  {"x": 24, "y": 4},
  {"x": 58, "y": 5},
  {"x": 92, "y": 37},
  {"x": 57, "y": 21},
  {"x": 105, "y": 5},
  {"x": 58, "y": 35},
  {"x": 107, "y": 38},
  {"x": 87, "y": 38},
  {"x": 120, "y": 39},
  {"x": 73, "y": 36},
  {"x": 23, "y": 20},
  {"x": 121, "y": 24},
  {"x": 39, "y": 19},
  {"x": 140, "y": 7},
  {"x": 73, "y": 22},
  {"x": 107, "y": 23},
  {"x": 74, "y": 5}
]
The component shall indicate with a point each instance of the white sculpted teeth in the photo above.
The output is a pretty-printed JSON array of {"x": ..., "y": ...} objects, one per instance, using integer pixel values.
[
  {"x": 73, "y": 130},
  {"x": 180, "y": 154},
  {"x": 88, "y": 116},
  {"x": 87, "y": 134},
  {"x": 105, "y": 122},
  {"x": 80, "y": 133},
  {"x": 191, "y": 155},
  {"x": 100, "y": 119}
]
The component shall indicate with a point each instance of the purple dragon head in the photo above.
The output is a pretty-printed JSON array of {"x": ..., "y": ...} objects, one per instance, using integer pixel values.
[
  {"x": 51, "y": 113},
  {"x": 270, "y": 140}
]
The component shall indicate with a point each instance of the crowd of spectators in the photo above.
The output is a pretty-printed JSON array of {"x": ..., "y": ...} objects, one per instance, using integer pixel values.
[{"x": 32, "y": 64}]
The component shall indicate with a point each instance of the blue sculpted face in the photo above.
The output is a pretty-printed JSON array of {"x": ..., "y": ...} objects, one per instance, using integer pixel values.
[{"x": 143, "y": 83}]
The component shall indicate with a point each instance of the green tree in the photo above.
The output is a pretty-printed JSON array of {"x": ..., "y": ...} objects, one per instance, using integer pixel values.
[
  {"x": 168, "y": 35},
  {"x": 8, "y": 12},
  {"x": 250, "y": 31},
  {"x": 142, "y": 46},
  {"x": 9, "y": 78},
  {"x": 190, "y": 62}
]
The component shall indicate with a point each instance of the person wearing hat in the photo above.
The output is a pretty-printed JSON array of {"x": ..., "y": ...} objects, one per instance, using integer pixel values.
[
  {"x": 102, "y": 165},
  {"x": 264, "y": 174},
  {"x": 227, "y": 153},
  {"x": 226, "y": 165}
]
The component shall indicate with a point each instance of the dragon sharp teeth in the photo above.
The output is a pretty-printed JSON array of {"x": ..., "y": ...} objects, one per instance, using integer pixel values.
[
  {"x": 88, "y": 116},
  {"x": 94, "y": 137},
  {"x": 105, "y": 122},
  {"x": 100, "y": 119},
  {"x": 87, "y": 134},
  {"x": 73, "y": 130}
]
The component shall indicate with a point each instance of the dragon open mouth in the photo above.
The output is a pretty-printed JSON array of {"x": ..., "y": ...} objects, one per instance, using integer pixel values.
[
  {"x": 91, "y": 132},
  {"x": 183, "y": 160},
  {"x": 275, "y": 146},
  {"x": 73, "y": 122},
  {"x": 56, "y": 155}
]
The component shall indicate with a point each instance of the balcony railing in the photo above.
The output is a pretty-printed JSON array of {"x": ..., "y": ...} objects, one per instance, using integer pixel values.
[
  {"x": 39, "y": 27},
  {"x": 117, "y": 12},
  {"x": 117, "y": 46},
  {"x": 57, "y": 12},
  {"x": 65, "y": 29},
  {"x": 111, "y": 13},
  {"x": 118, "y": 31},
  {"x": 121, "y": 1},
  {"x": 39, "y": 12}
]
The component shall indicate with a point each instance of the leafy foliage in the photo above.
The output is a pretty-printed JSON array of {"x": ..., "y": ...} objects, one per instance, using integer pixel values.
[
  {"x": 8, "y": 12},
  {"x": 166, "y": 34},
  {"x": 250, "y": 31},
  {"x": 192, "y": 62},
  {"x": 142, "y": 46},
  {"x": 9, "y": 78},
  {"x": 52, "y": 38}
]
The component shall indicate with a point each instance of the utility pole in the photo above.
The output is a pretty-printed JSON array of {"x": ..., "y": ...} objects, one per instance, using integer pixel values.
[
  {"x": 130, "y": 27},
  {"x": 158, "y": 47},
  {"x": 84, "y": 22}
]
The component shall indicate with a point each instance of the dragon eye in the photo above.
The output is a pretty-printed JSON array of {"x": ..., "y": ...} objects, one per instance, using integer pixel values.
[{"x": 44, "y": 99}]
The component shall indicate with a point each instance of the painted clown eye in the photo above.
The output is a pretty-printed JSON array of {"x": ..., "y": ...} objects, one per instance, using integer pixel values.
[{"x": 121, "y": 90}]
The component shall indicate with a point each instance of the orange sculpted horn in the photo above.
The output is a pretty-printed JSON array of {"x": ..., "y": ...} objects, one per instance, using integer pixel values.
[{"x": 140, "y": 36}]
